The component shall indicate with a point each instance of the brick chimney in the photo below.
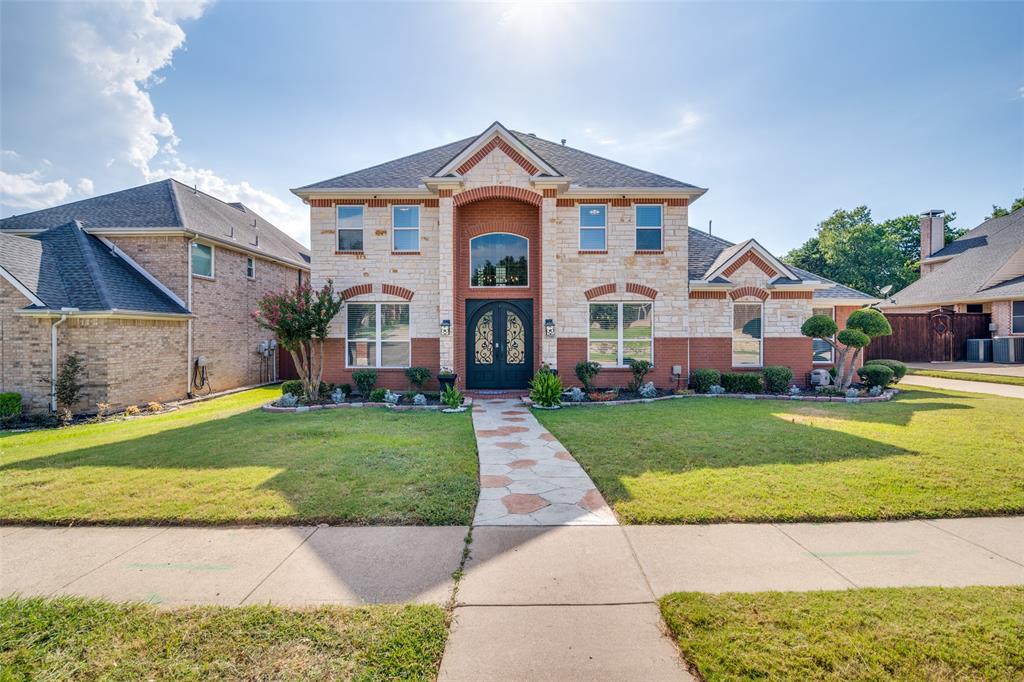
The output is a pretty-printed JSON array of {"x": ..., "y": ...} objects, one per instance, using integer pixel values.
[{"x": 933, "y": 234}]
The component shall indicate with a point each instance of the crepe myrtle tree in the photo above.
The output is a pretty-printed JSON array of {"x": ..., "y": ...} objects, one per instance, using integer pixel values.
[
  {"x": 301, "y": 319},
  {"x": 861, "y": 326}
]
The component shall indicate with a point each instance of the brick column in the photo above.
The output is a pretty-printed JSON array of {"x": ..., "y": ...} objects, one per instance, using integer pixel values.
[
  {"x": 549, "y": 277},
  {"x": 446, "y": 278}
]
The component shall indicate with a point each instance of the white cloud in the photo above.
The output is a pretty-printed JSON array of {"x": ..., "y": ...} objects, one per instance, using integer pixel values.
[
  {"x": 654, "y": 140},
  {"x": 9, "y": 154},
  {"x": 28, "y": 190},
  {"x": 85, "y": 187}
]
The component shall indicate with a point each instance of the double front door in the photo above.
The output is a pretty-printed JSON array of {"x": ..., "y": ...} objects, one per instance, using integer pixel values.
[{"x": 499, "y": 343}]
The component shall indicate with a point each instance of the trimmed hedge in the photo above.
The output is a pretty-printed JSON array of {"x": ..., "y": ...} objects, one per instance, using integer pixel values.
[
  {"x": 10, "y": 407},
  {"x": 742, "y": 382},
  {"x": 293, "y": 386},
  {"x": 876, "y": 375},
  {"x": 704, "y": 379},
  {"x": 377, "y": 395},
  {"x": 365, "y": 380},
  {"x": 899, "y": 369},
  {"x": 776, "y": 378}
]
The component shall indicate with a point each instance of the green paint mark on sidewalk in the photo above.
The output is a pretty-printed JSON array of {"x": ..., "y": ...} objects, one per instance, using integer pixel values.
[
  {"x": 895, "y": 552},
  {"x": 185, "y": 567}
]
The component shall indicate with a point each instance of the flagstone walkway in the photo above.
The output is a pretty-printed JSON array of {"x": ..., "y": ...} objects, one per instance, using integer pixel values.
[{"x": 528, "y": 478}]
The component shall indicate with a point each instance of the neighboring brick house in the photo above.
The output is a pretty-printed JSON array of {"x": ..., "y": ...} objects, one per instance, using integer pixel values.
[
  {"x": 981, "y": 272},
  {"x": 500, "y": 252},
  {"x": 139, "y": 283}
]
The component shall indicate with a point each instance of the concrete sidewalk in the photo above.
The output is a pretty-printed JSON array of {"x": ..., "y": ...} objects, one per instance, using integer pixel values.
[{"x": 1004, "y": 390}]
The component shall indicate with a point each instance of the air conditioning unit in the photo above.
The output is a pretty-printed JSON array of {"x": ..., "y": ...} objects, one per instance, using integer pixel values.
[
  {"x": 979, "y": 350},
  {"x": 820, "y": 377},
  {"x": 1008, "y": 349}
]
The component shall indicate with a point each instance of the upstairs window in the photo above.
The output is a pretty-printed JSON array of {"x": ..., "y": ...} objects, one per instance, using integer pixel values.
[
  {"x": 821, "y": 351},
  {"x": 649, "y": 227},
  {"x": 350, "y": 228},
  {"x": 593, "y": 227},
  {"x": 620, "y": 332},
  {"x": 746, "y": 334},
  {"x": 202, "y": 259},
  {"x": 1017, "y": 326},
  {"x": 499, "y": 259},
  {"x": 250, "y": 267},
  {"x": 405, "y": 228},
  {"x": 377, "y": 335}
]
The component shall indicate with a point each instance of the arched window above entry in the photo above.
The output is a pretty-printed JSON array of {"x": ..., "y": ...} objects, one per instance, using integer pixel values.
[{"x": 499, "y": 259}]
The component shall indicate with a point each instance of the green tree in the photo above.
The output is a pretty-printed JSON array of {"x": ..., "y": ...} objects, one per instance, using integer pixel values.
[
  {"x": 999, "y": 211},
  {"x": 861, "y": 326}
]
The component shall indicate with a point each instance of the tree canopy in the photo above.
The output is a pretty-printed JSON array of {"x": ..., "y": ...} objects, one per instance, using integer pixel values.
[{"x": 999, "y": 211}]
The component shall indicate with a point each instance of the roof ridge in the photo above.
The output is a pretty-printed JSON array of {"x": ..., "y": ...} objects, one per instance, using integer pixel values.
[{"x": 710, "y": 236}]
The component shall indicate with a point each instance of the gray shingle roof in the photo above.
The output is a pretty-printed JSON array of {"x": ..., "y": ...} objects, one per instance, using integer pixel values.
[
  {"x": 705, "y": 252},
  {"x": 67, "y": 268},
  {"x": 971, "y": 273},
  {"x": 584, "y": 169},
  {"x": 167, "y": 204}
]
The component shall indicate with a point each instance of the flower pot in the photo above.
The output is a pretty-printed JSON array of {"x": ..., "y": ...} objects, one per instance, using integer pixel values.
[{"x": 446, "y": 381}]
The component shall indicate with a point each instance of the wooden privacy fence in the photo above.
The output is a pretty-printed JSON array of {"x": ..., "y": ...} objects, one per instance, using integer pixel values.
[{"x": 938, "y": 336}]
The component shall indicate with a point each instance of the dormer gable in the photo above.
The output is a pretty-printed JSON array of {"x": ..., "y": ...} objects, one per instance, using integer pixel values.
[
  {"x": 733, "y": 258},
  {"x": 496, "y": 136}
]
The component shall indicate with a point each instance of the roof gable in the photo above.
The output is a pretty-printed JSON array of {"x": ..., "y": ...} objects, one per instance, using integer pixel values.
[
  {"x": 496, "y": 136},
  {"x": 732, "y": 258}
]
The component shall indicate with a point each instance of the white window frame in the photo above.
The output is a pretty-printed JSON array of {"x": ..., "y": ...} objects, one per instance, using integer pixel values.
[
  {"x": 395, "y": 230},
  {"x": 604, "y": 228},
  {"x": 338, "y": 229},
  {"x": 1014, "y": 318},
  {"x": 250, "y": 267},
  {"x": 213, "y": 261},
  {"x": 760, "y": 345},
  {"x": 637, "y": 228},
  {"x": 620, "y": 338},
  {"x": 831, "y": 351},
  {"x": 376, "y": 339},
  {"x": 503, "y": 286}
]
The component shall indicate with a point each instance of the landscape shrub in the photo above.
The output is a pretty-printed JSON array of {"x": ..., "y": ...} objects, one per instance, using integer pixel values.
[
  {"x": 451, "y": 397},
  {"x": 875, "y": 375},
  {"x": 131, "y": 410},
  {"x": 154, "y": 406},
  {"x": 639, "y": 368},
  {"x": 288, "y": 400},
  {"x": 337, "y": 396},
  {"x": 409, "y": 396},
  {"x": 704, "y": 379},
  {"x": 742, "y": 382},
  {"x": 776, "y": 378},
  {"x": 716, "y": 390},
  {"x": 417, "y": 376},
  {"x": 419, "y": 399},
  {"x": 69, "y": 386},
  {"x": 648, "y": 390},
  {"x": 377, "y": 395},
  {"x": 365, "y": 380},
  {"x": 577, "y": 395},
  {"x": 345, "y": 389},
  {"x": 293, "y": 386},
  {"x": 899, "y": 370},
  {"x": 10, "y": 407},
  {"x": 391, "y": 398},
  {"x": 546, "y": 388},
  {"x": 586, "y": 372}
]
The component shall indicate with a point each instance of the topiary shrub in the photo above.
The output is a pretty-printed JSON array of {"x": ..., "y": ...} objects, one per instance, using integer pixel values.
[
  {"x": 876, "y": 375},
  {"x": 899, "y": 370},
  {"x": 776, "y": 378},
  {"x": 365, "y": 380},
  {"x": 742, "y": 382},
  {"x": 546, "y": 389},
  {"x": 417, "y": 376},
  {"x": 639, "y": 368},
  {"x": 377, "y": 395},
  {"x": 10, "y": 407},
  {"x": 293, "y": 386},
  {"x": 585, "y": 372},
  {"x": 704, "y": 379}
]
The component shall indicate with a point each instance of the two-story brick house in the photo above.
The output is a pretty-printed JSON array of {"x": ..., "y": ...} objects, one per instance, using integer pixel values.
[
  {"x": 139, "y": 284},
  {"x": 497, "y": 253}
]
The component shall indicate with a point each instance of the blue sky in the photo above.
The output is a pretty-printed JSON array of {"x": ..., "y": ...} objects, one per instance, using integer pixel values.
[{"x": 784, "y": 111}]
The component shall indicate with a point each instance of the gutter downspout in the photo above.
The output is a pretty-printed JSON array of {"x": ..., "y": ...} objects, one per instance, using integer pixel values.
[
  {"x": 65, "y": 312},
  {"x": 188, "y": 355}
]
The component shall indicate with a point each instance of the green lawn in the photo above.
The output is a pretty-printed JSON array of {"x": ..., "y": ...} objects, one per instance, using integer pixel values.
[
  {"x": 969, "y": 376},
  {"x": 931, "y": 633},
  {"x": 226, "y": 461},
  {"x": 926, "y": 454},
  {"x": 72, "y": 638}
]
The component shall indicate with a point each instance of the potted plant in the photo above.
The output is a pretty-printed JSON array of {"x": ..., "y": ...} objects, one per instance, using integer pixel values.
[{"x": 447, "y": 378}]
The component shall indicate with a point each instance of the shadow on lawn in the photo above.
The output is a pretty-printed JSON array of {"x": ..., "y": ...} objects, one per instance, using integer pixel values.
[{"x": 374, "y": 467}]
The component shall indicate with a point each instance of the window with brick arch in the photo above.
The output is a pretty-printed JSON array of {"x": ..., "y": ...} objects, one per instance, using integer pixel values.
[{"x": 746, "y": 334}]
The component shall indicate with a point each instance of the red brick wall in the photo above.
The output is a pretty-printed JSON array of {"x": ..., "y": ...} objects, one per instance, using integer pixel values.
[
  {"x": 425, "y": 353},
  {"x": 481, "y": 217},
  {"x": 792, "y": 352},
  {"x": 667, "y": 352}
]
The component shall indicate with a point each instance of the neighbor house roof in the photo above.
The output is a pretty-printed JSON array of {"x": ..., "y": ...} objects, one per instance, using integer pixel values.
[
  {"x": 986, "y": 263},
  {"x": 585, "y": 170},
  {"x": 64, "y": 267},
  {"x": 168, "y": 205},
  {"x": 707, "y": 253}
]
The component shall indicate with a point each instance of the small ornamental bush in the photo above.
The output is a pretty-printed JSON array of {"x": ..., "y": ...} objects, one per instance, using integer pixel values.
[
  {"x": 852, "y": 393},
  {"x": 10, "y": 407},
  {"x": 546, "y": 388},
  {"x": 576, "y": 395},
  {"x": 875, "y": 391},
  {"x": 365, "y": 380},
  {"x": 377, "y": 395},
  {"x": 391, "y": 398},
  {"x": 337, "y": 396},
  {"x": 704, "y": 379},
  {"x": 69, "y": 386},
  {"x": 875, "y": 375},
  {"x": 716, "y": 390},
  {"x": 742, "y": 382},
  {"x": 776, "y": 378},
  {"x": 154, "y": 406},
  {"x": 585, "y": 372},
  {"x": 409, "y": 396},
  {"x": 419, "y": 399},
  {"x": 288, "y": 400},
  {"x": 131, "y": 411},
  {"x": 899, "y": 370},
  {"x": 648, "y": 390},
  {"x": 603, "y": 396},
  {"x": 640, "y": 369},
  {"x": 346, "y": 389},
  {"x": 451, "y": 397},
  {"x": 794, "y": 390},
  {"x": 293, "y": 386},
  {"x": 417, "y": 376}
]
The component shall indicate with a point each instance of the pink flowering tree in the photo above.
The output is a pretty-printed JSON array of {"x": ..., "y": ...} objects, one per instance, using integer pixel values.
[{"x": 301, "y": 318}]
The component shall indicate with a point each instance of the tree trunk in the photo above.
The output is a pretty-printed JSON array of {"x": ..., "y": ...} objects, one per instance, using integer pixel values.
[
  {"x": 853, "y": 366},
  {"x": 304, "y": 371},
  {"x": 320, "y": 371}
]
